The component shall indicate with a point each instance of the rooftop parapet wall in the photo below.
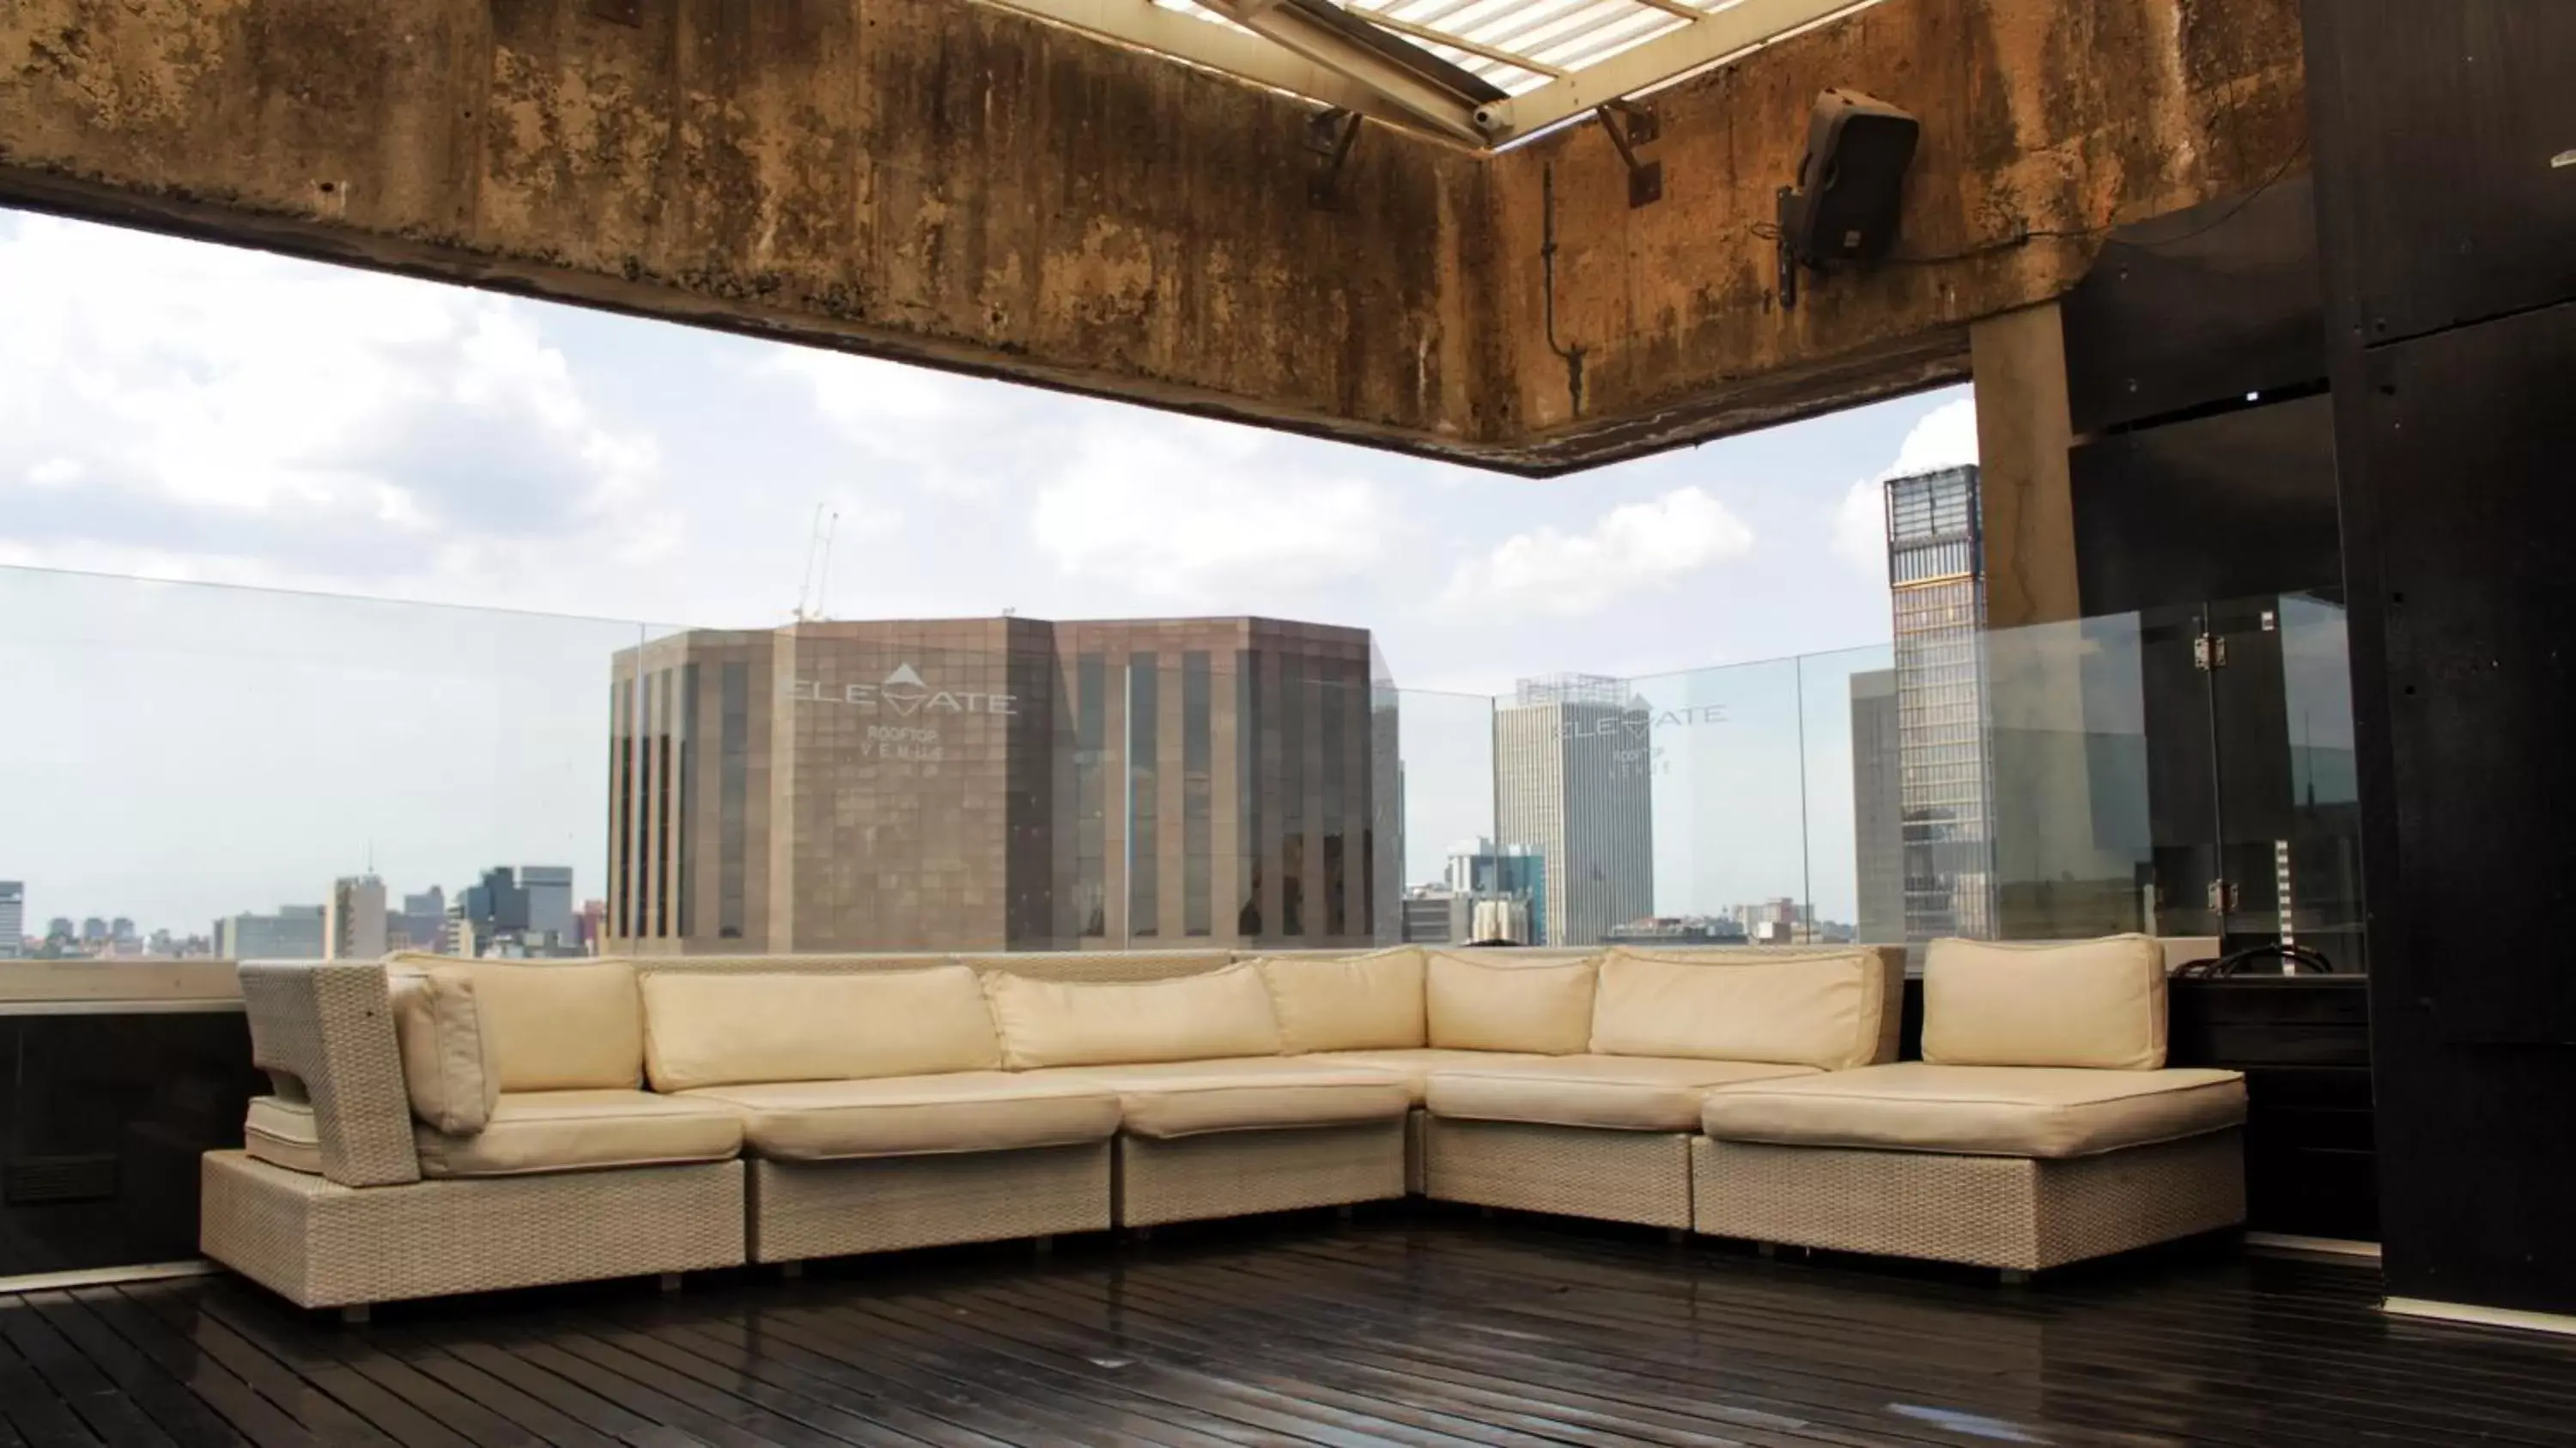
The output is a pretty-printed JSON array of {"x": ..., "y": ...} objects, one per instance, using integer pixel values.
[{"x": 942, "y": 182}]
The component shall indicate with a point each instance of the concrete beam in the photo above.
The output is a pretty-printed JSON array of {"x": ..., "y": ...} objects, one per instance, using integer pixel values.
[
  {"x": 919, "y": 179},
  {"x": 970, "y": 188},
  {"x": 2044, "y": 124}
]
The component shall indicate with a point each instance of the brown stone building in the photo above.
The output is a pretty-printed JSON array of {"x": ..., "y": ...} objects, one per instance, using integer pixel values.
[{"x": 1001, "y": 784}]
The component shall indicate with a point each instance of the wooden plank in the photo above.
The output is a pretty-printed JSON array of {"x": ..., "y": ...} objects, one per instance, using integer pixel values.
[
  {"x": 317, "y": 1411},
  {"x": 161, "y": 1397},
  {"x": 83, "y": 1388},
  {"x": 222, "y": 1391}
]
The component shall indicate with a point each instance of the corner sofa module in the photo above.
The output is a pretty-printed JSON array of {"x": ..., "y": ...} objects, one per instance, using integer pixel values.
[
  {"x": 1588, "y": 1105},
  {"x": 2088, "y": 1149},
  {"x": 374, "y": 1174},
  {"x": 1216, "y": 1118}
]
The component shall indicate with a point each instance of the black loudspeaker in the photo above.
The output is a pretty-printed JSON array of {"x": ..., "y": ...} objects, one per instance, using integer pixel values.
[{"x": 1851, "y": 186}]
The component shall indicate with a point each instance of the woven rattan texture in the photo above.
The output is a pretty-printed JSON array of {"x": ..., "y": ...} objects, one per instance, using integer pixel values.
[
  {"x": 836, "y": 1208},
  {"x": 330, "y": 1028},
  {"x": 1987, "y": 1211},
  {"x": 1618, "y": 1176},
  {"x": 1235, "y": 1173},
  {"x": 323, "y": 1245}
]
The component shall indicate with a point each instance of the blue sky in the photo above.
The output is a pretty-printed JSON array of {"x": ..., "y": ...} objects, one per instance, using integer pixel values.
[{"x": 176, "y": 411}]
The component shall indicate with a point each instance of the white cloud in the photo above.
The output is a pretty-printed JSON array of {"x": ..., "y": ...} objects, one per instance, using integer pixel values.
[
  {"x": 1196, "y": 514},
  {"x": 279, "y": 422},
  {"x": 1633, "y": 547},
  {"x": 1945, "y": 437},
  {"x": 870, "y": 398}
]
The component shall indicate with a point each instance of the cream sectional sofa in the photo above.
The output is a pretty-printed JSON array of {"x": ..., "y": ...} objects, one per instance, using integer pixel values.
[{"x": 444, "y": 1126}]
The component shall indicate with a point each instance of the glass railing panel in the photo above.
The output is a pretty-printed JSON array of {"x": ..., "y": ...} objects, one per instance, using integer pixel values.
[
  {"x": 1855, "y": 803},
  {"x": 1714, "y": 756},
  {"x": 2066, "y": 782},
  {"x": 1460, "y": 883},
  {"x": 2288, "y": 801}
]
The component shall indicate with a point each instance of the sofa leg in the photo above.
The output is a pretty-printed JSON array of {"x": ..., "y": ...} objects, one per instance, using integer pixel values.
[
  {"x": 791, "y": 1270},
  {"x": 1345, "y": 1212},
  {"x": 1767, "y": 1251},
  {"x": 357, "y": 1316},
  {"x": 670, "y": 1282},
  {"x": 1042, "y": 1247},
  {"x": 1676, "y": 1235},
  {"x": 2014, "y": 1277},
  {"x": 1140, "y": 1234}
]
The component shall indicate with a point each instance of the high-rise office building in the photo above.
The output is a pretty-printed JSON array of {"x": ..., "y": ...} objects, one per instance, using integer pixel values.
[
  {"x": 1573, "y": 782},
  {"x": 295, "y": 932},
  {"x": 523, "y": 910},
  {"x": 13, "y": 919},
  {"x": 1512, "y": 880},
  {"x": 1878, "y": 806},
  {"x": 1936, "y": 572},
  {"x": 1386, "y": 796},
  {"x": 999, "y": 784},
  {"x": 354, "y": 921},
  {"x": 550, "y": 905}
]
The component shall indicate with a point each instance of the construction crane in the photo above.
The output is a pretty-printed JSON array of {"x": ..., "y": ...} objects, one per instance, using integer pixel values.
[{"x": 818, "y": 565}]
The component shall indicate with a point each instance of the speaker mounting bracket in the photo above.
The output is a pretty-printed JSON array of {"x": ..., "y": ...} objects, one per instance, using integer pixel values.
[
  {"x": 1630, "y": 124},
  {"x": 1330, "y": 134},
  {"x": 1788, "y": 260}
]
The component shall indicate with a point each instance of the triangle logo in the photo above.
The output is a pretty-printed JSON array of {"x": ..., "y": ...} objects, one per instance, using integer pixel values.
[{"x": 904, "y": 674}]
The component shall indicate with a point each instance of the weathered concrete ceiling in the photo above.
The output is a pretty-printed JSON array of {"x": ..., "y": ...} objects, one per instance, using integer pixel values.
[{"x": 941, "y": 182}]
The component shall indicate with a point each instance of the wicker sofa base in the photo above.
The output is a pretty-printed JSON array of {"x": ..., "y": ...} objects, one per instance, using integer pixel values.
[
  {"x": 318, "y": 1244},
  {"x": 1236, "y": 1173},
  {"x": 888, "y": 1204},
  {"x": 1987, "y": 1211},
  {"x": 1575, "y": 1171}
]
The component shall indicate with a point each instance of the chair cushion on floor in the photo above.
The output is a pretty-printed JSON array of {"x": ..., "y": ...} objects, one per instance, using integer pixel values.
[
  {"x": 917, "y": 1115},
  {"x": 2033, "y": 1111},
  {"x": 1621, "y": 1093},
  {"x": 283, "y": 1133},
  {"x": 1188, "y": 1098},
  {"x": 1415, "y": 1065},
  {"x": 542, "y": 1131}
]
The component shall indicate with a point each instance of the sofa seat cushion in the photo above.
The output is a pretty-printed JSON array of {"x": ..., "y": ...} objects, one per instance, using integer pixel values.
[
  {"x": 1188, "y": 1098},
  {"x": 282, "y": 1133},
  {"x": 917, "y": 1115},
  {"x": 1620, "y": 1093},
  {"x": 1417, "y": 1064},
  {"x": 2032, "y": 1111},
  {"x": 542, "y": 1131}
]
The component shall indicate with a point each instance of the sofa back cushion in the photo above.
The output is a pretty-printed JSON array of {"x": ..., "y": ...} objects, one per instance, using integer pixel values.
[
  {"x": 1794, "y": 1007},
  {"x": 1369, "y": 1002},
  {"x": 2095, "y": 1003},
  {"x": 562, "y": 1026},
  {"x": 1470, "y": 1005},
  {"x": 1186, "y": 1018},
  {"x": 450, "y": 1069},
  {"x": 735, "y": 1027}
]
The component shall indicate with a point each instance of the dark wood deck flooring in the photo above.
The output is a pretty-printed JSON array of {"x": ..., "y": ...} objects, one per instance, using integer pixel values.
[{"x": 1437, "y": 1333}]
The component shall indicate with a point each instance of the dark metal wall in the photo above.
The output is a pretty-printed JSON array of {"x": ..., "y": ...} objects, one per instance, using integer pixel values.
[{"x": 2445, "y": 158}]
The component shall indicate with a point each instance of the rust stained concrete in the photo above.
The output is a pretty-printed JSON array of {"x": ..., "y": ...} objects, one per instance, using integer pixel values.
[
  {"x": 942, "y": 182},
  {"x": 925, "y": 179},
  {"x": 2038, "y": 118}
]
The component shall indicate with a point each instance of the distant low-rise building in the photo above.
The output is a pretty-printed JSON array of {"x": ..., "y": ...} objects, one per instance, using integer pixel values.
[
  {"x": 295, "y": 932},
  {"x": 13, "y": 919}
]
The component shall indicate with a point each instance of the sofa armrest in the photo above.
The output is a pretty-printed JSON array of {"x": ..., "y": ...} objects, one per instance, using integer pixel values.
[{"x": 327, "y": 1031}]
